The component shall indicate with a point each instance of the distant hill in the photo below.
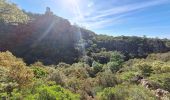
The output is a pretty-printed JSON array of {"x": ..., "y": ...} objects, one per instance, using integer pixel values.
[{"x": 133, "y": 46}]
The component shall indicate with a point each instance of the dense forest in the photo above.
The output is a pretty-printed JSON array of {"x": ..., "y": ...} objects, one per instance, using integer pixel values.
[{"x": 45, "y": 57}]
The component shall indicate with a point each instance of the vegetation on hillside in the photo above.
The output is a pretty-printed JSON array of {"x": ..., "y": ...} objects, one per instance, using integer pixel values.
[
  {"x": 51, "y": 39},
  {"x": 10, "y": 13},
  {"x": 44, "y": 57},
  {"x": 114, "y": 80}
]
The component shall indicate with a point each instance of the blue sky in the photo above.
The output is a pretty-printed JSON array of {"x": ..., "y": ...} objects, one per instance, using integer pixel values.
[{"x": 111, "y": 17}]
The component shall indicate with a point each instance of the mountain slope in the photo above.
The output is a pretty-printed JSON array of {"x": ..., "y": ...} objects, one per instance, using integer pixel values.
[{"x": 52, "y": 39}]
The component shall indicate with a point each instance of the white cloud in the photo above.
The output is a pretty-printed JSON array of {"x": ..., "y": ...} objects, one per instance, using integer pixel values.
[
  {"x": 100, "y": 18},
  {"x": 90, "y": 4},
  {"x": 128, "y": 8}
]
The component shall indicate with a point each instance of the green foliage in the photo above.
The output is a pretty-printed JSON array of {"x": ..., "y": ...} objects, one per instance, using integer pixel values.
[
  {"x": 44, "y": 92},
  {"x": 117, "y": 93},
  {"x": 133, "y": 46},
  {"x": 10, "y": 13},
  {"x": 165, "y": 57},
  {"x": 116, "y": 57},
  {"x": 63, "y": 65},
  {"x": 161, "y": 67},
  {"x": 114, "y": 66},
  {"x": 127, "y": 75},
  {"x": 79, "y": 70},
  {"x": 7, "y": 59},
  {"x": 55, "y": 93},
  {"x": 76, "y": 78},
  {"x": 161, "y": 80},
  {"x": 123, "y": 92},
  {"x": 21, "y": 74},
  {"x": 145, "y": 69},
  {"x": 79, "y": 81},
  {"x": 102, "y": 57},
  {"x": 39, "y": 72},
  {"x": 57, "y": 77},
  {"x": 116, "y": 61},
  {"x": 16, "y": 69},
  {"x": 3, "y": 74},
  {"x": 97, "y": 67},
  {"x": 148, "y": 66},
  {"x": 106, "y": 79},
  {"x": 59, "y": 45},
  {"x": 3, "y": 95}
]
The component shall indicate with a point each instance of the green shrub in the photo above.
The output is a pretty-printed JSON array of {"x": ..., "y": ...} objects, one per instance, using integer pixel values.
[
  {"x": 55, "y": 93},
  {"x": 161, "y": 67},
  {"x": 79, "y": 70},
  {"x": 43, "y": 92},
  {"x": 3, "y": 74},
  {"x": 145, "y": 69},
  {"x": 7, "y": 59},
  {"x": 21, "y": 74},
  {"x": 114, "y": 66},
  {"x": 126, "y": 92},
  {"x": 127, "y": 75},
  {"x": 117, "y": 93},
  {"x": 63, "y": 65},
  {"x": 97, "y": 67},
  {"x": 82, "y": 87},
  {"x": 102, "y": 57},
  {"x": 162, "y": 80},
  {"x": 12, "y": 13},
  {"x": 116, "y": 62},
  {"x": 15, "y": 69},
  {"x": 39, "y": 72},
  {"x": 57, "y": 76},
  {"x": 160, "y": 56},
  {"x": 116, "y": 57},
  {"x": 106, "y": 79}
]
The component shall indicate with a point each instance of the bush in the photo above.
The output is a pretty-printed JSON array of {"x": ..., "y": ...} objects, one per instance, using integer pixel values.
[
  {"x": 116, "y": 62},
  {"x": 114, "y": 66},
  {"x": 145, "y": 69},
  {"x": 148, "y": 66},
  {"x": 55, "y": 93},
  {"x": 126, "y": 92},
  {"x": 161, "y": 80},
  {"x": 21, "y": 74},
  {"x": 3, "y": 74},
  {"x": 160, "y": 56},
  {"x": 82, "y": 87},
  {"x": 127, "y": 75},
  {"x": 63, "y": 65},
  {"x": 39, "y": 72},
  {"x": 116, "y": 57},
  {"x": 117, "y": 93},
  {"x": 161, "y": 67},
  {"x": 78, "y": 70},
  {"x": 97, "y": 67},
  {"x": 7, "y": 60},
  {"x": 17, "y": 71},
  {"x": 43, "y": 92},
  {"x": 12, "y": 14},
  {"x": 102, "y": 57},
  {"x": 57, "y": 76},
  {"x": 106, "y": 79}
]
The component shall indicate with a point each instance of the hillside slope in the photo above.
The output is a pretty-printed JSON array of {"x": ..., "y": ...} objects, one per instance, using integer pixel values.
[{"x": 52, "y": 39}]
